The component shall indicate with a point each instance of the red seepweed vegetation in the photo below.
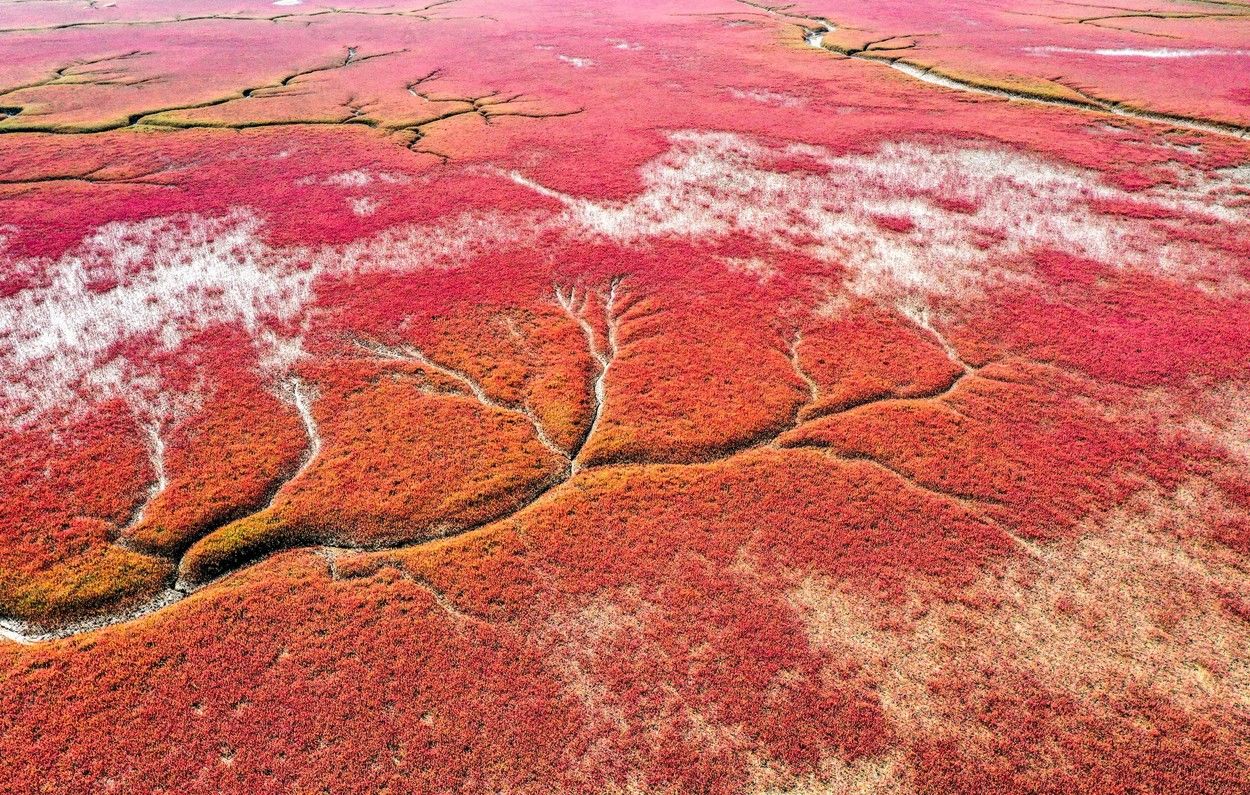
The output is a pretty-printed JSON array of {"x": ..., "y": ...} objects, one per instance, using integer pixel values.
[{"x": 515, "y": 399}]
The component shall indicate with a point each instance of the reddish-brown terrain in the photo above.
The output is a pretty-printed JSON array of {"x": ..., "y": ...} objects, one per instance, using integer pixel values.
[{"x": 635, "y": 397}]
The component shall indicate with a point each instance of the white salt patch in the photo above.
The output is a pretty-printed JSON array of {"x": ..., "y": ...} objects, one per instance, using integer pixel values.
[
  {"x": 134, "y": 288},
  {"x": 765, "y": 97},
  {"x": 348, "y": 179},
  {"x": 622, "y": 44},
  {"x": 1128, "y": 52},
  {"x": 364, "y": 205},
  {"x": 279, "y": 354},
  {"x": 763, "y": 270},
  {"x": 712, "y": 185},
  {"x": 576, "y": 62},
  {"x": 356, "y": 178}
]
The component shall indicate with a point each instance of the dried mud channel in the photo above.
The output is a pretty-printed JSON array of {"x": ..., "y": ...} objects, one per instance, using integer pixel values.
[
  {"x": 816, "y": 29},
  {"x": 603, "y": 347},
  {"x": 108, "y": 71},
  {"x": 301, "y": 395}
]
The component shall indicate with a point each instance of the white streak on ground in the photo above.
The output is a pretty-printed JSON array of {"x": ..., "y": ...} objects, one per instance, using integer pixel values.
[
  {"x": 814, "y": 37},
  {"x": 711, "y": 185},
  {"x": 300, "y": 395},
  {"x": 166, "y": 278},
  {"x": 926, "y": 75},
  {"x": 920, "y": 315},
  {"x": 471, "y": 385},
  {"x": 156, "y": 457},
  {"x": 576, "y": 310},
  {"x": 302, "y": 401},
  {"x": 28, "y": 634},
  {"x": 1129, "y": 52}
]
